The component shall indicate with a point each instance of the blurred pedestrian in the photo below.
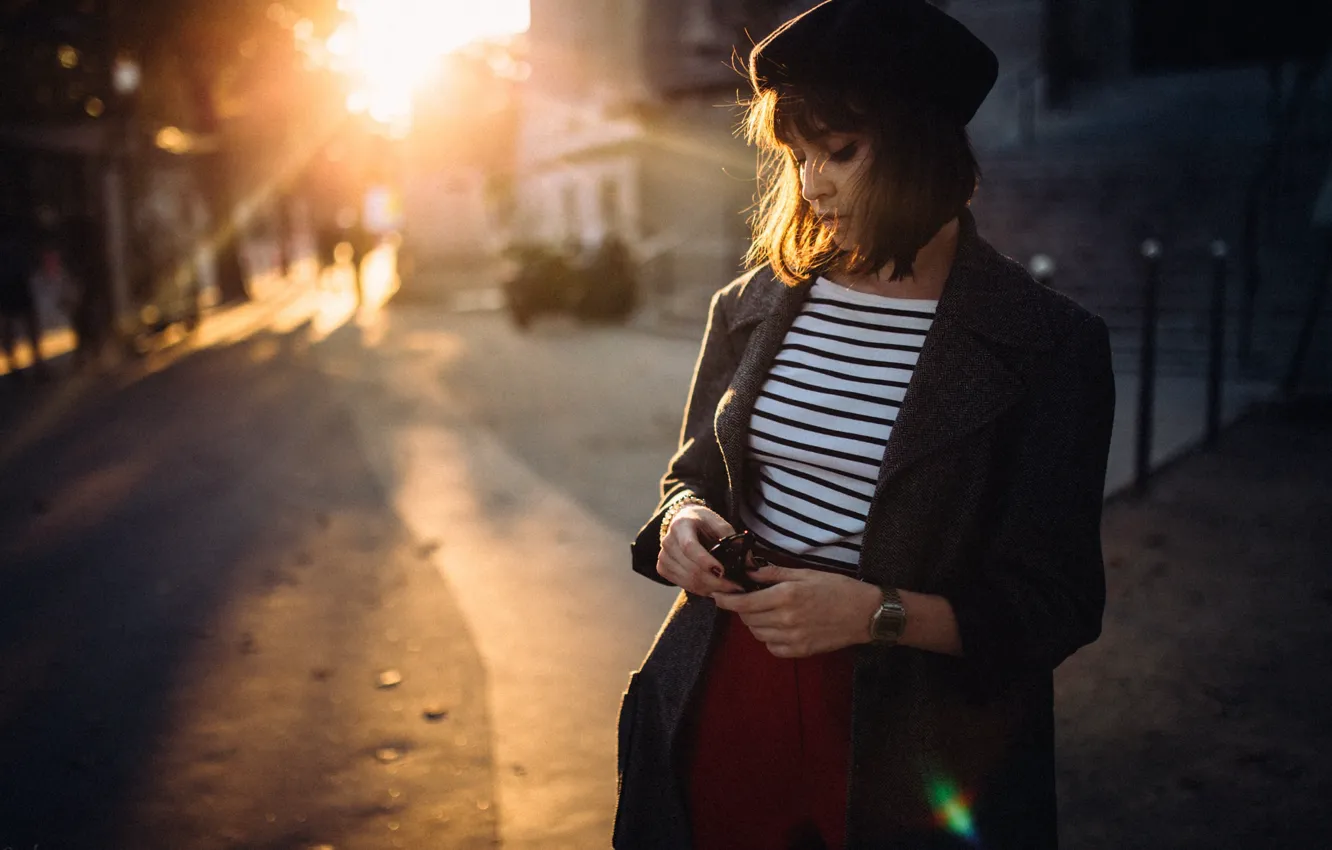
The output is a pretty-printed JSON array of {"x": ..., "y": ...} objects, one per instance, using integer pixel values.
[
  {"x": 55, "y": 292},
  {"x": 282, "y": 234},
  {"x": 362, "y": 240},
  {"x": 83, "y": 250},
  {"x": 896, "y": 440},
  {"x": 327, "y": 238},
  {"x": 18, "y": 305}
]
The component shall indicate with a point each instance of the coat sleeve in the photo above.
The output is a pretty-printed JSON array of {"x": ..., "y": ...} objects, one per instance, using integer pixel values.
[
  {"x": 697, "y": 468},
  {"x": 1039, "y": 592}
]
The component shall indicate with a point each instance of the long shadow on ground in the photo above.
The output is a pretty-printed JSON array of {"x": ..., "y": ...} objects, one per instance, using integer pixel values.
[{"x": 200, "y": 581}]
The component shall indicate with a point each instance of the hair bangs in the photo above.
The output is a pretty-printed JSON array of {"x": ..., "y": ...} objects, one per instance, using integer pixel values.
[{"x": 923, "y": 173}]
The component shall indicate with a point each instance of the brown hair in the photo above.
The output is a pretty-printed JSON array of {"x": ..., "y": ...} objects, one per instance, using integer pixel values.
[{"x": 921, "y": 174}]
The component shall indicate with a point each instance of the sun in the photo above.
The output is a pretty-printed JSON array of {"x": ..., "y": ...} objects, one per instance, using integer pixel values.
[{"x": 390, "y": 47}]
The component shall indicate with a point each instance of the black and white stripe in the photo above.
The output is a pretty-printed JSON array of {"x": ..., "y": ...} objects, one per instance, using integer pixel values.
[{"x": 823, "y": 418}]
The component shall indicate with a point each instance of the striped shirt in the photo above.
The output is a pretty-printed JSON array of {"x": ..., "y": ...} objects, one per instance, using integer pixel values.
[{"x": 822, "y": 421}]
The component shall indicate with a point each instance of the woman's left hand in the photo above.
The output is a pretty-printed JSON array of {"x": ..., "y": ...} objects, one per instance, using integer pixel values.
[{"x": 805, "y": 612}]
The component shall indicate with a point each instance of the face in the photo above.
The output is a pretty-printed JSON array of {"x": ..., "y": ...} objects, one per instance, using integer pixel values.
[{"x": 831, "y": 169}]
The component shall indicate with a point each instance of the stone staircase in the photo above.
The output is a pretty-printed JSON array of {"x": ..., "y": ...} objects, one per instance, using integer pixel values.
[{"x": 1173, "y": 162}]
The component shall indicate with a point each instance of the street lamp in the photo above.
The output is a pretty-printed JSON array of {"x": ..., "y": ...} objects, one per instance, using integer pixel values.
[{"x": 126, "y": 77}]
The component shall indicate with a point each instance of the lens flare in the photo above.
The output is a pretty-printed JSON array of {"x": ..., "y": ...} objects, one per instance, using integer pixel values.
[{"x": 952, "y": 809}]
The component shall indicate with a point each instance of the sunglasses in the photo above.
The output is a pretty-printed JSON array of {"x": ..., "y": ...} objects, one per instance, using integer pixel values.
[{"x": 732, "y": 552}]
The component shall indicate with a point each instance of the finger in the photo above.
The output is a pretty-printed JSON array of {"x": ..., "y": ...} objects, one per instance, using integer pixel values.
[
  {"x": 771, "y": 620},
  {"x": 714, "y": 524},
  {"x": 695, "y": 552},
  {"x": 761, "y": 600},
  {"x": 740, "y": 603},
  {"x": 785, "y": 650},
  {"x": 699, "y": 580},
  {"x": 771, "y": 574},
  {"x": 683, "y": 542},
  {"x": 714, "y": 583},
  {"x": 768, "y": 636},
  {"x": 669, "y": 568},
  {"x": 695, "y": 557},
  {"x": 678, "y": 570}
]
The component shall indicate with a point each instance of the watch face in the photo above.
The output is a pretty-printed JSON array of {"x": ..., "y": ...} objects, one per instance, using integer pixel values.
[{"x": 888, "y": 623}]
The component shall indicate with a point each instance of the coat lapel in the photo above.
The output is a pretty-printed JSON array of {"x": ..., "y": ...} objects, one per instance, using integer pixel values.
[
  {"x": 959, "y": 385},
  {"x": 965, "y": 376}
]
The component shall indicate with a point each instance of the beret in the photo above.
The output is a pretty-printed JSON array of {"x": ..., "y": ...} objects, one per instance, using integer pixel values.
[{"x": 909, "y": 48}]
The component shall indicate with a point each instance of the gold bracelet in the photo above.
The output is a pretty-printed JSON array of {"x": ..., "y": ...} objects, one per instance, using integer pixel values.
[{"x": 678, "y": 505}]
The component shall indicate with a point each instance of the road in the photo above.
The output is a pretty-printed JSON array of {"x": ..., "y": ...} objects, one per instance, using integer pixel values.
[
  {"x": 210, "y": 562},
  {"x": 203, "y": 585}
]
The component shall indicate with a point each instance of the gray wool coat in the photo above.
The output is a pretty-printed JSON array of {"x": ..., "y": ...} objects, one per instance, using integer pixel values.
[{"x": 989, "y": 494}]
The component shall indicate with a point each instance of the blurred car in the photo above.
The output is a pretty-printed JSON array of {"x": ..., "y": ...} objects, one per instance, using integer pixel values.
[
  {"x": 545, "y": 281},
  {"x": 600, "y": 287}
]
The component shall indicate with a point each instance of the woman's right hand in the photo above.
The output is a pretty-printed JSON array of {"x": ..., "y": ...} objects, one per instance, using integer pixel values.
[{"x": 684, "y": 560}]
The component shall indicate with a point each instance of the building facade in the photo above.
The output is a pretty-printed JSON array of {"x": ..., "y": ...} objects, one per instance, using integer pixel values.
[{"x": 628, "y": 130}]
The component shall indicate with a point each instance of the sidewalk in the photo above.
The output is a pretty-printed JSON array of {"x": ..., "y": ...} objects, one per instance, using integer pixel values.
[{"x": 1203, "y": 715}]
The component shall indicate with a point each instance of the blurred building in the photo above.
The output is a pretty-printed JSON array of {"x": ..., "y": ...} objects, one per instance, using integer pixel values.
[
  {"x": 628, "y": 128},
  {"x": 456, "y": 167},
  {"x": 63, "y": 111},
  {"x": 145, "y": 137}
]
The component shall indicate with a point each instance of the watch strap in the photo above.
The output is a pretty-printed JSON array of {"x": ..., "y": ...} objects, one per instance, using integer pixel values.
[{"x": 889, "y": 621}]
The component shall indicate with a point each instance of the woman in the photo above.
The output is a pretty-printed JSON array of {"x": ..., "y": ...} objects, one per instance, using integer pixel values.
[{"x": 914, "y": 435}]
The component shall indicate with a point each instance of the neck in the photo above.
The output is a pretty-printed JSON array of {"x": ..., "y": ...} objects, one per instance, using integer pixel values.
[{"x": 928, "y": 274}]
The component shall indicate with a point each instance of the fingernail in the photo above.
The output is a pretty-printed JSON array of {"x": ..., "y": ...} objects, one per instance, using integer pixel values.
[{"x": 716, "y": 571}]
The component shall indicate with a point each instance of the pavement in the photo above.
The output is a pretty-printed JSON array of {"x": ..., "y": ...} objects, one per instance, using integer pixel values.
[
  {"x": 210, "y": 563},
  {"x": 1202, "y": 717}
]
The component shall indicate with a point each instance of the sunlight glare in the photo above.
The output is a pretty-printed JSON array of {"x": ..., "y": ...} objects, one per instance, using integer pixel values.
[{"x": 391, "y": 47}]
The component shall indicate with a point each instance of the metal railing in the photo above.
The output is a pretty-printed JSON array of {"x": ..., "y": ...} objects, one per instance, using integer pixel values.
[{"x": 1152, "y": 256}]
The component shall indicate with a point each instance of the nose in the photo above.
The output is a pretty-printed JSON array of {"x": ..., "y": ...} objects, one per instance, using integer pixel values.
[{"x": 815, "y": 187}]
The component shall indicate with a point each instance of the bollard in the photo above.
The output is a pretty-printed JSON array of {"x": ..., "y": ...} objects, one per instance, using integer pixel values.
[
  {"x": 1216, "y": 355},
  {"x": 1151, "y": 254},
  {"x": 1042, "y": 267},
  {"x": 1027, "y": 82}
]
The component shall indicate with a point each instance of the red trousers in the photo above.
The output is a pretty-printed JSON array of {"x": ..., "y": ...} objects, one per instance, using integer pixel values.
[{"x": 771, "y": 748}]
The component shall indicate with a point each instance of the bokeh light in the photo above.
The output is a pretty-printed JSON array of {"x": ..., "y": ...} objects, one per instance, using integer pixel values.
[{"x": 173, "y": 140}]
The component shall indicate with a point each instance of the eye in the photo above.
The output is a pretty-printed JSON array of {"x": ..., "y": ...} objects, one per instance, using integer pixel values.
[{"x": 844, "y": 154}]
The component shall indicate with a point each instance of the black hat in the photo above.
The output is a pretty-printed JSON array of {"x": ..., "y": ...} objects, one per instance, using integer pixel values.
[{"x": 907, "y": 46}]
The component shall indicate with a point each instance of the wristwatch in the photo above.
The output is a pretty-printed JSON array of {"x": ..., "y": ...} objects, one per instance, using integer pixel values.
[{"x": 888, "y": 623}]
